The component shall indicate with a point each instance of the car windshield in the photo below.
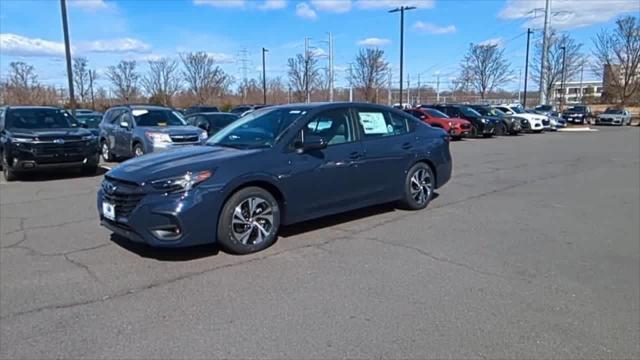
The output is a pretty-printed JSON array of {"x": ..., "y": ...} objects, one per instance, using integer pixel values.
[
  {"x": 239, "y": 110},
  {"x": 467, "y": 111},
  {"x": 164, "y": 117},
  {"x": 260, "y": 129},
  {"x": 517, "y": 110},
  {"x": 39, "y": 119},
  {"x": 497, "y": 112},
  {"x": 544, "y": 107},
  {"x": 92, "y": 121},
  {"x": 436, "y": 113},
  {"x": 484, "y": 111},
  {"x": 613, "y": 111}
]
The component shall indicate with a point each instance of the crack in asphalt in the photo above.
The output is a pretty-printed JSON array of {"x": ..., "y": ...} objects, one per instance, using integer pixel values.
[
  {"x": 83, "y": 266},
  {"x": 52, "y": 226},
  {"x": 318, "y": 245}
]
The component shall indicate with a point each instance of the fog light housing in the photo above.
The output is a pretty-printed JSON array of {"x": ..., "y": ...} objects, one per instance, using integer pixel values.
[{"x": 167, "y": 233}]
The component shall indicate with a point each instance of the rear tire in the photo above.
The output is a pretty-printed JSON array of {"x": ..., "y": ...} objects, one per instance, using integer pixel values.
[
  {"x": 249, "y": 221},
  {"x": 418, "y": 188},
  {"x": 138, "y": 150},
  {"x": 501, "y": 129}
]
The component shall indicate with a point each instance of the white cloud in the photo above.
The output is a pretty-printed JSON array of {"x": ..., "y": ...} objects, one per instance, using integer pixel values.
[
  {"x": 374, "y": 42},
  {"x": 378, "y": 4},
  {"x": 12, "y": 44},
  {"x": 493, "y": 41},
  {"x": 273, "y": 5},
  {"x": 433, "y": 29},
  {"x": 221, "y": 3},
  {"x": 304, "y": 11},
  {"x": 222, "y": 58},
  {"x": 115, "y": 46},
  {"x": 569, "y": 14},
  {"x": 89, "y": 5},
  {"x": 335, "y": 6}
]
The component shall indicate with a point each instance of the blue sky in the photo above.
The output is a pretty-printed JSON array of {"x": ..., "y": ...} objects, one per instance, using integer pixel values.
[{"x": 436, "y": 34}]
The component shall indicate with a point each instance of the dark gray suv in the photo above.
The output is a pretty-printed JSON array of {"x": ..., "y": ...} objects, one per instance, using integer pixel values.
[{"x": 134, "y": 130}]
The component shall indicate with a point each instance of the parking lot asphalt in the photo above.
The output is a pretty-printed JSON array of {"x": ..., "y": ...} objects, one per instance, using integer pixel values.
[{"x": 531, "y": 251}]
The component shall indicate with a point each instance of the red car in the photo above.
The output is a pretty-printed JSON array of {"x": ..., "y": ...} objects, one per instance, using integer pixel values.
[{"x": 456, "y": 127}]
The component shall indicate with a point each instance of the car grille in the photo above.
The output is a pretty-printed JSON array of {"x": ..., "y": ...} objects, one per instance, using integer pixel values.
[
  {"x": 545, "y": 122},
  {"x": 465, "y": 126},
  {"x": 123, "y": 194},
  {"x": 606, "y": 120},
  {"x": 184, "y": 138}
]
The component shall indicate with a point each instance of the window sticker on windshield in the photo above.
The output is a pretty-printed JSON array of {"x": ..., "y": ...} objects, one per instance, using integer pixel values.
[
  {"x": 295, "y": 112},
  {"x": 373, "y": 123},
  {"x": 162, "y": 123}
]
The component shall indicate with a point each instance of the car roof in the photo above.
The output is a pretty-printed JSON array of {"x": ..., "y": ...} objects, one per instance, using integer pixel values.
[
  {"x": 12, "y": 107},
  {"x": 212, "y": 113}
]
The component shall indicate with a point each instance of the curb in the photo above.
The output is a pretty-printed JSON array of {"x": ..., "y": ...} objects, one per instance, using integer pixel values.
[{"x": 578, "y": 129}]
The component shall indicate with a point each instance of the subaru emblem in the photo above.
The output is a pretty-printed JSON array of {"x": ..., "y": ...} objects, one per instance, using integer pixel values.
[
  {"x": 58, "y": 141},
  {"x": 110, "y": 188}
]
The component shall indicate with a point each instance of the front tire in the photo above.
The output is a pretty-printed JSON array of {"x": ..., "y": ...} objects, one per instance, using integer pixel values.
[
  {"x": 138, "y": 150},
  {"x": 8, "y": 174},
  {"x": 418, "y": 188},
  {"x": 105, "y": 152},
  {"x": 249, "y": 221}
]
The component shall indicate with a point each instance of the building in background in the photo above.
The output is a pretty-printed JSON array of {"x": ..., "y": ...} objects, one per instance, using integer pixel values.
[{"x": 576, "y": 92}]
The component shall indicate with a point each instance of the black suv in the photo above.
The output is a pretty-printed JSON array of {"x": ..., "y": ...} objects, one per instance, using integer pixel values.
[
  {"x": 40, "y": 137},
  {"x": 480, "y": 125},
  {"x": 506, "y": 124},
  {"x": 579, "y": 114},
  {"x": 200, "y": 109}
]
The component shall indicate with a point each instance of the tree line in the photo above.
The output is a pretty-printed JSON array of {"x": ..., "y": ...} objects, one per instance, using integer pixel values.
[{"x": 196, "y": 77}]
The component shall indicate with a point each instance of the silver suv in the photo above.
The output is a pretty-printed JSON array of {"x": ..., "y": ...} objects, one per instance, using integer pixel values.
[{"x": 134, "y": 130}]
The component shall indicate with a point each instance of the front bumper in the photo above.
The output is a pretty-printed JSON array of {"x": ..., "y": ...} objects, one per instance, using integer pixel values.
[
  {"x": 191, "y": 218},
  {"x": 158, "y": 147},
  {"x": 612, "y": 121},
  {"x": 458, "y": 132},
  {"x": 21, "y": 157}
]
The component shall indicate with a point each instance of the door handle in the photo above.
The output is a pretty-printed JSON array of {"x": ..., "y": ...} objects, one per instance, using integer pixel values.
[
  {"x": 406, "y": 146},
  {"x": 355, "y": 155}
]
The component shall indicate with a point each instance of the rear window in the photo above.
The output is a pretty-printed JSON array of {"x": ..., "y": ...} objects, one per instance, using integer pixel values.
[
  {"x": 221, "y": 120},
  {"x": 145, "y": 117},
  {"x": 39, "y": 119},
  {"x": 92, "y": 121}
]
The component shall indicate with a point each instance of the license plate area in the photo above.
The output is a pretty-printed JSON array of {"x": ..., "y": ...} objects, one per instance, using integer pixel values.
[{"x": 109, "y": 211}]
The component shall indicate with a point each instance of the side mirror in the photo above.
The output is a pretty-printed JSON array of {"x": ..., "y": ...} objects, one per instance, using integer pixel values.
[
  {"x": 124, "y": 124},
  {"x": 310, "y": 143}
]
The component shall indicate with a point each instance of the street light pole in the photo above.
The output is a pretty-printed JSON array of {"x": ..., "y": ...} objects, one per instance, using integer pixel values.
[
  {"x": 67, "y": 50},
  {"x": 93, "y": 100},
  {"x": 564, "y": 50},
  {"x": 545, "y": 50},
  {"x": 264, "y": 77},
  {"x": 401, "y": 9},
  {"x": 526, "y": 68}
]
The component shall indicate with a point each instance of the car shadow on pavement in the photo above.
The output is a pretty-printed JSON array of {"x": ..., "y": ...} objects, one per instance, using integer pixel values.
[
  {"x": 57, "y": 175},
  {"x": 166, "y": 254}
]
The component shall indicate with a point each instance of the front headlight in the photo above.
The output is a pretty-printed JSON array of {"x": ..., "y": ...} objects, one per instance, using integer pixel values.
[
  {"x": 21, "y": 140},
  {"x": 157, "y": 137},
  {"x": 484, "y": 121},
  {"x": 451, "y": 124},
  {"x": 181, "y": 183},
  {"x": 203, "y": 136}
]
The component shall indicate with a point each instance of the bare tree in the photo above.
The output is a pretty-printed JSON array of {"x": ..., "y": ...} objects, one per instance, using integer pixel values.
[
  {"x": 485, "y": 68},
  {"x": 203, "y": 77},
  {"x": 81, "y": 77},
  {"x": 22, "y": 75},
  {"x": 370, "y": 72},
  {"x": 161, "y": 81},
  {"x": 618, "y": 58},
  {"x": 303, "y": 75},
  {"x": 553, "y": 67},
  {"x": 124, "y": 80}
]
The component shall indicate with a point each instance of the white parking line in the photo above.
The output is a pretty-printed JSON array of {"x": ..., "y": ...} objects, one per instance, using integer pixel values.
[{"x": 577, "y": 129}]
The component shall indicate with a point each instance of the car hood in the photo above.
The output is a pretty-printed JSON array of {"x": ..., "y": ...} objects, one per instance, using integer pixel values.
[
  {"x": 176, "y": 162},
  {"x": 173, "y": 130},
  {"x": 51, "y": 134}
]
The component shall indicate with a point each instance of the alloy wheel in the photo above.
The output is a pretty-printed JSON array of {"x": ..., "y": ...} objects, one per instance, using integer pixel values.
[
  {"x": 421, "y": 186},
  {"x": 252, "y": 221},
  {"x": 105, "y": 151}
]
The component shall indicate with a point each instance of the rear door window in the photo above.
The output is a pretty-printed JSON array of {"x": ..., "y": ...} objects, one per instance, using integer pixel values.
[{"x": 374, "y": 123}]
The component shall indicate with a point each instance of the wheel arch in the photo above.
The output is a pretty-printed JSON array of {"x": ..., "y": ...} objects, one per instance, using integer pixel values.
[
  {"x": 267, "y": 185},
  {"x": 429, "y": 163}
]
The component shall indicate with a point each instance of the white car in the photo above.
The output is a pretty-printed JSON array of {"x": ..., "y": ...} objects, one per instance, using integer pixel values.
[
  {"x": 614, "y": 117},
  {"x": 537, "y": 122}
]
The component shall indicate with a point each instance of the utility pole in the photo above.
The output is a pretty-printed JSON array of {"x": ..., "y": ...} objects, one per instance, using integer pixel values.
[
  {"x": 93, "y": 100},
  {"x": 244, "y": 67},
  {"x": 438, "y": 87},
  {"x": 67, "y": 50},
  {"x": 418, "y": 100},
  {"x": 526, "y": 68},
  {"x": 331, "y": 71},
  {"x": 350, "y": 82},
  {"x": 264, "y": 77},
  {"x": 401, "y": 9},
  {"x": 389, "y": 98},
  {"x": 545, "y": 50},
  {"x": 564, "y": 50},
  {"x": 581, "y": 74},
  {"x": 408, "y": 89}
]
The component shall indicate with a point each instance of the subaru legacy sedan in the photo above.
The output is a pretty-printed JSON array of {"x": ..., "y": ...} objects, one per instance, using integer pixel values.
[{"x": 276, "y": 166}]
